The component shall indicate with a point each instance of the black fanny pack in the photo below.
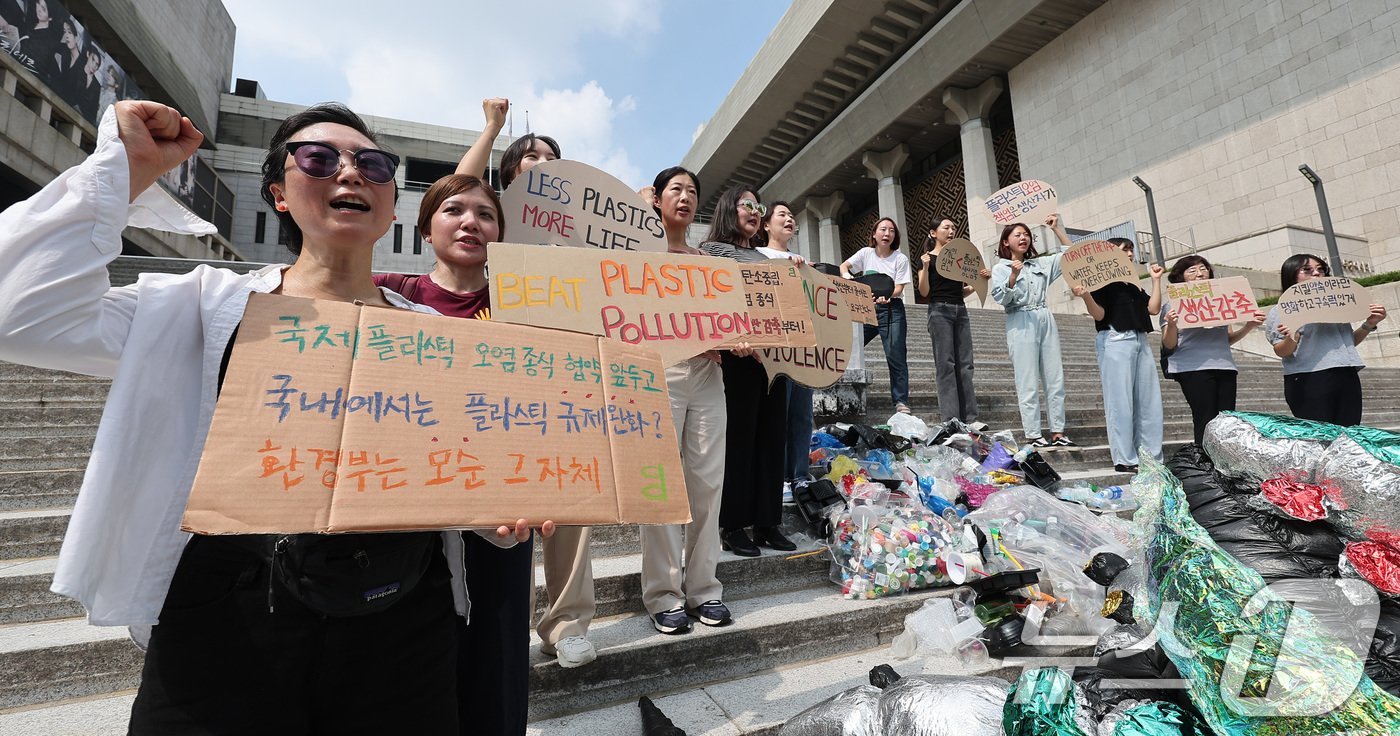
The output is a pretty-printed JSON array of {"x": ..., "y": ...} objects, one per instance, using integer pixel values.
[{"x": 352, "y": 574}]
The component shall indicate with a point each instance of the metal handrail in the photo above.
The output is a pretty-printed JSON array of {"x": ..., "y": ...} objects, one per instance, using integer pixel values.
[{"x": 1169, "y": 252}]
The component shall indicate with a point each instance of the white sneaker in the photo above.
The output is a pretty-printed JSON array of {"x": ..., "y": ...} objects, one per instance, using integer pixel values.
[
  {"x": 787, "y": 492},
  {"x": 575, "y": 651}
]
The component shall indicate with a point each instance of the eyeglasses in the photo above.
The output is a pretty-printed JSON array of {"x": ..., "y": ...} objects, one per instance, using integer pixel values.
[
  {"x": 322, "y": 161},
  {"x": 1316, "y": 270},
  {"x": 753, "y": 206}
]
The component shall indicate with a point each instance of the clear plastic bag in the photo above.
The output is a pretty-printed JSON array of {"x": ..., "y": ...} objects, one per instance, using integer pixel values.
[
  {"x": 878, "y": 551},
  {"x": 908, "y": 425}
]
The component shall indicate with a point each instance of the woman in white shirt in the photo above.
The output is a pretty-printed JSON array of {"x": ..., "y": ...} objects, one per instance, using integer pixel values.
[{"x": 883, "y": 256}]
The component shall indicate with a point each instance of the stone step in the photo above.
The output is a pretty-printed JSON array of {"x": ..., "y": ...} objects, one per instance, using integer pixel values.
[
  {"x": 25, "y": 594},
  {"x": 32, "y": 533},
  {"x": 104, "y": 715},
  {"x": 38, "y": 420},
  {"x": 39, "y": 489},
  {"x": 45, "y": 661}
]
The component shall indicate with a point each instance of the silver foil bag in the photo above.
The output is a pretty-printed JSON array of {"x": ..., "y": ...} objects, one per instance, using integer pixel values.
[
  {"x": 1259, "y": 446},
  {"x": 944, "y": 705},
  {"x": 854, "y": 712},
  {"x": 1370, "y": 485}
]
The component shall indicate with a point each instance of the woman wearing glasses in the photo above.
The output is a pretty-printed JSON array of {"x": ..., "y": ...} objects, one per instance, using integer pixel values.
[
  {"x": 231, "y": 645},
  {"x": 883, "y": 256},
  {"x": 1320, "y": 361},
  {"x": 757, "y": 426},
  {"x": 1200, "y": 361}
]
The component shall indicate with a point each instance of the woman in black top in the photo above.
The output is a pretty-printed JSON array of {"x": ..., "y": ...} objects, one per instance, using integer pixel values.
[
  {"x": 1127, "y": 368},
  {"x": 948, "y": 329}
]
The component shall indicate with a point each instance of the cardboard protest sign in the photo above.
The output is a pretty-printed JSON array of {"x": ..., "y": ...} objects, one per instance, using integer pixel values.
[
  {"x": 1212, "y": 302},
  {"x": 1029, "y": 202},
  {"x": 960, "y": 260},
  {"x": 676, "y": 304},
  {"x": 1330, "y": 299},
  {"x": 858, "y": 298},
  {"x": 337, "y": 417},
  {"x": 821, "y": 364},
  {"x": 777, "y": 308},
  {"x": 1096, "y": 263},
  {"x": 571, "y": 203}
]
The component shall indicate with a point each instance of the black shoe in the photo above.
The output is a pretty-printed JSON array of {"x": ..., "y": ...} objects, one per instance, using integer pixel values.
[
  {"x": 738, "y": 542},
  {"x": 772, "y": 537},
  {"x": 1125, "y": 468}
]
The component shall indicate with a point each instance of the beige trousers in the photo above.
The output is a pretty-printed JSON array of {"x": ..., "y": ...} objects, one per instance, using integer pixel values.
[
  {"x": 697, "y": 407},
  {"x": 568, "y": 581}
]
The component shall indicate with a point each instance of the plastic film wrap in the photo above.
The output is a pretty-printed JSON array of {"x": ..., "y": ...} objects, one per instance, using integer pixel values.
[
  {"x": 854, "y": 712},
  {"x": 1292, "y": 496},
  {"x": 941, "y": 705},
  {"x": 1361, "y": 462},
  {"x": 1263, "y": 445},
  {"x": 1153, "y": 718},
  {"x": 1046, "y": 702},
  {"x": 1376, "y": 563},
  {"x": 1291, "y": 681}
]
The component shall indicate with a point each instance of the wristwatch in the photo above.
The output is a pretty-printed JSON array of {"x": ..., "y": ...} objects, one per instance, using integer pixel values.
[{"x": 1368, "y": 327}]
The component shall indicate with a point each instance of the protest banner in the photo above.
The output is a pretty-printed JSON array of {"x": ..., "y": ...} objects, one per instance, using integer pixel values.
[
  {"x": 1212, "y": 302},
  {"x": 1096, "y": 263},
  {"x": 676, "y": 304},
  {"x": 1330, "y": 299},
  {"x": 337, "y": 417},
  {"x": 859, "y": 299},
  {"x": 1029, "y": 202},
  {"x": 818, "y": 365},
  {"x": 570, "y": 203},
  {"x": 960, "y": 260},
  {"x": 777, "y": 307}
]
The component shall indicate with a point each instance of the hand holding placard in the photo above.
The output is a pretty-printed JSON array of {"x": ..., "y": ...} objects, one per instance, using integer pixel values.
[
  {"x": 960, "y": 260},
  {"x": 1212, "y": 302},
  {"x": 1328, "y": 299},
  {"x": 570, "y": 203},
  {"x": 1096, "y": 263},
  {"x": 1029, "y": 202}
]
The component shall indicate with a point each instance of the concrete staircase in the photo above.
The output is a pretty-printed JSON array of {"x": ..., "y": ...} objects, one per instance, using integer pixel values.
[{"x": 795, "y": 641}]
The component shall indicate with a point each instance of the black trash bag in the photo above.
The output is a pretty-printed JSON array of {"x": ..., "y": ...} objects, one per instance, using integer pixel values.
[
  {"x": 1383, "y": 664},
  {"x": 863, "y": 437},
  {"x": 654, "y": 722},
  {"x": 1100, "y": 697},
  {"x": 1275, "y": 547},
  {"x": 880, "y": 283},
  {"x": 812, "y": 499},
  {"x": 1039, "y": 473},
  {"x": 1104, "y": 567},
  {"x": 883, "y": 675}
]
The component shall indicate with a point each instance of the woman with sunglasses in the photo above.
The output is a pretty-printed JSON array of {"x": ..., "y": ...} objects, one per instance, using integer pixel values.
[
  {"x": 949, "y": 329},
  {"x": 1020, "y": 283},
  {"x": 883, "y": 256},
  {"x": 232, "y": 645},
  {"x": 1321, "y": 365},
  {"x": 756, "y": 429},
  {"x": 1200, "y": 361}
]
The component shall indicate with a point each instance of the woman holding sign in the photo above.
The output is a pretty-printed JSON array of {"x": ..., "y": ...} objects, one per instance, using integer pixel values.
[
  {"x": 1200, "y": 361},
  {"x": 755, "y": 442},
  {"x": 1122, "y": 315},
  {"x": 1020, "y": 281},
  {"x": 778, "y": 231},
  {"x": 242, "y": 631},
  {"x": 883, "y": 256},
  {"x": 1320, "y": 361},
  {"x": 949, "y": 329}
]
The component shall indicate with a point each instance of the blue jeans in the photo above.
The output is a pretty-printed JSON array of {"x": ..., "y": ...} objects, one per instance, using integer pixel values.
[
  {"x": 799, "y": 432},
  {"x": 1131, "y": 395},
  {"x": 1033, "y": 341},
  {"x": 891, "y": 332}
]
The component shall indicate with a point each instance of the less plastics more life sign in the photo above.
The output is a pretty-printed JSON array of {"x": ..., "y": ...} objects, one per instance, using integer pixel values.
[
  {"x": 1028, "y": 202},
  {"x": 960, "y": 260},
  {"x": 1212, "y": 302},
  {"x": 337, "y": 417},
  {"x": 676, "y": 304},
  {"x": 821, "y": 364},
  {"x": 1330, "y": 299},
  {"x": 570, "y": 203},
  {"x": 1093, "y": 264}
]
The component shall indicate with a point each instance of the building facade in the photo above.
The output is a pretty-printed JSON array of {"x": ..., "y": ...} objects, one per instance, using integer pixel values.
[{"x": 919, "y": 109}]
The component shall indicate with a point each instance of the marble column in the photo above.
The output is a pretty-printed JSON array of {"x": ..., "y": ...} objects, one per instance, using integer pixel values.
[
  {"x": 828, "y": 235},
  {"x": 884, "y": 168},
  {"x": 970, "y": 110}
]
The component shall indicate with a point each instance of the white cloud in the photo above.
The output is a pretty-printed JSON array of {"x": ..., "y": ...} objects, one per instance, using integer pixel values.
[{"x": 441, "y": 59}]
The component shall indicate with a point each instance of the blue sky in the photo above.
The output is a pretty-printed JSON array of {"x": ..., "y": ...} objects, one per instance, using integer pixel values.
[{"x": 622, "y": 84}]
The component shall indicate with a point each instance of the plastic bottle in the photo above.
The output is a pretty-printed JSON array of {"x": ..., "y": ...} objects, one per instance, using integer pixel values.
[
  {"x": 1109, "y": 499},
  {"x": 1078, "y": 493}
]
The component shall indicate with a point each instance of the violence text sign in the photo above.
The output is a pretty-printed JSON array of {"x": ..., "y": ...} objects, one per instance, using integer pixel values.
[
  {"x": 1096, "y": 263},
  {"x": 571, "y": 203},
  {"x": 1333, "y": 299},
  {"x": 678, "y": 305},
  {"x": 1212, "y": 302},
  {"x": 339, "y": 417},
  {"x": 1028, "y": 202},
  {"x": 828, "y": 311},
  {"x": 960, "y": 260}
]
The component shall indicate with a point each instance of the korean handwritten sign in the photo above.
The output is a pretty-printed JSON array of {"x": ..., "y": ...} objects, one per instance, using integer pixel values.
[
  {"x": 678, "y": 305},
  {"x": 777, "y": 306},
  {"x": 960, "y": 260},
  {"x": 336, "y": 417},
  {"x": 1324, "y": 300},
  {"x": 1095, "y": 263},
  {"x": 1213, "y": 302},
  {"x": 570, "y": 203},
  {"x": 1029, "y": 202},
  {"x": 829, "y": 312},
  {"x": 859, "y": 299}
]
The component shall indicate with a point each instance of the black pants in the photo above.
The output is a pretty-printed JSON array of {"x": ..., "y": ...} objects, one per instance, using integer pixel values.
[
  {"x": 1333, "y": 395},
  {"x": 493, "y": 663},
  {"x": 1207, "y": 393},
  {"x": 220, "y": 663},
  {"x": 754, "y": 446}
]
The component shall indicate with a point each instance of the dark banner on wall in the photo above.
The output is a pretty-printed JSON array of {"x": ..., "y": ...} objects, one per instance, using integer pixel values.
[{"x": 52, "y": 44}]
